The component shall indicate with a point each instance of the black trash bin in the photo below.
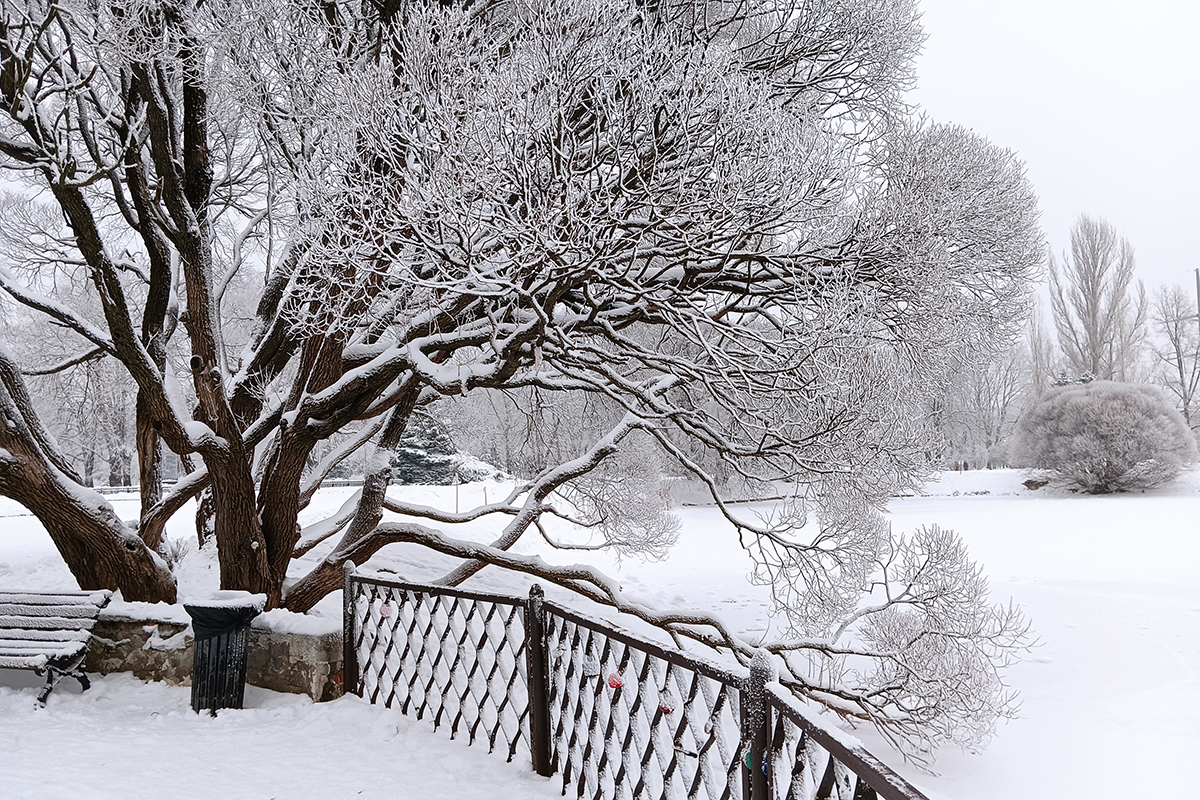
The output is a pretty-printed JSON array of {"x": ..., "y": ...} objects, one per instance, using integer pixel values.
[{"x": 220, "y": 626}]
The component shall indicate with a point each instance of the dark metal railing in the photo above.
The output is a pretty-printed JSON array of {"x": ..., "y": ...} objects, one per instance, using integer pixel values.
[
  {"x": 632, "y": 719},
  {"x": 453, "y": 655},
  {"x": 616, "y": 715},
  {"x": 806, "y": 758}
]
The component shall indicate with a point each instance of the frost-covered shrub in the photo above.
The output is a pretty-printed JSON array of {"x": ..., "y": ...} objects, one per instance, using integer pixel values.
[{"x": 1105, "y": 437}]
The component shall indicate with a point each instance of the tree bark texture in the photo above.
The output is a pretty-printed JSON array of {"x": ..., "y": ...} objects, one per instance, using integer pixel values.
[{"x": 99, "y": 549}]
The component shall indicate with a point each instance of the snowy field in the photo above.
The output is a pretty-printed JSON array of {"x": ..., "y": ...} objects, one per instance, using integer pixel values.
[{"x": 1111, "y": 696}]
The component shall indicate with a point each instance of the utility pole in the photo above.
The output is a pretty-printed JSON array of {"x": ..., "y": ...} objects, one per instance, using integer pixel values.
[{"x": 1197, "y": 296}]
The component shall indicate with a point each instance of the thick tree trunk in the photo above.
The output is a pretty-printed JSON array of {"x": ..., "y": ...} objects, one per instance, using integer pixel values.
[
  {"x": 149, "y": 456},
  {"x": 279, "y": 498},
  {"x": 100, "y": 550},
  {"x": 279, "y": 507},
  {"x": 241, "y": 548}
]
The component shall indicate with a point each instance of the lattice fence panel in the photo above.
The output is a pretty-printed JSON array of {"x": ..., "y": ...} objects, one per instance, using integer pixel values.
[
  {"x": 456, "y": 658},
  {"x": 629, "y": 720},
  {"x": 801, "y": 769}
]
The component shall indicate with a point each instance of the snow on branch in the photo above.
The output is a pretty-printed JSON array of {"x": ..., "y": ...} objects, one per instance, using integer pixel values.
[
  {"x": 72, "y": 361},
  {"x": 60, "y": 312}
]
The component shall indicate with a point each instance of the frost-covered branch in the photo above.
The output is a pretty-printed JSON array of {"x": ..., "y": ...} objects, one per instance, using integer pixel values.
[{"x": 72, "y": 361}]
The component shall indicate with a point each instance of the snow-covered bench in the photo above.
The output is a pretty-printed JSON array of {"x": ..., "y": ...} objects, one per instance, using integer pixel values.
[{"x": 48, "y": 633}]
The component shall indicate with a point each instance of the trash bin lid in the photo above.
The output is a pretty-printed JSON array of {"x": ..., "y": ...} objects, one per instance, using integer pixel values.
[{"x": 223, "y": 612}]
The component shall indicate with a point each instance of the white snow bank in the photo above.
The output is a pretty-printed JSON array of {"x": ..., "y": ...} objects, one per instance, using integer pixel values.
[
  {"x": 151, "y": 612},
  {"x": 1008, "y": 482},
  {"x": 1001, "y": 482},
  {"x": 281, "y": 620}
]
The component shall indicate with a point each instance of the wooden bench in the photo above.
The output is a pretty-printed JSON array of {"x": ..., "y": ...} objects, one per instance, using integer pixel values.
[{"x": 49, "y": 632}]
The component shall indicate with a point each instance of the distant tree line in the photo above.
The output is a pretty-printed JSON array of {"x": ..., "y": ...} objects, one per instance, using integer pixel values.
[{"x": 1102, "y": 325}]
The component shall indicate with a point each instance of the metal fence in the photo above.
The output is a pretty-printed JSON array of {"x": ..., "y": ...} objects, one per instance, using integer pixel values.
[
  {"x": 455, "y": 656},
  {"x": 616, "y": 716},
  {"x": 805, "y": 758},
  {"x": 631, "y": 719}
]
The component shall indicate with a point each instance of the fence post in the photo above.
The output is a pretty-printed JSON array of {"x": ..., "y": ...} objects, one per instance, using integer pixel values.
[
  {"x": 349, "y": 651},
  {"x": 539, "y": 697},
  {"x": 756, "y": 721}
]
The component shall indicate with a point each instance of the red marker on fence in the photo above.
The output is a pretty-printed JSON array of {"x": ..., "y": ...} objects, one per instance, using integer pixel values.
[
  {"x": 667, "y": 702},
  {"x": 615, "y": 681}
]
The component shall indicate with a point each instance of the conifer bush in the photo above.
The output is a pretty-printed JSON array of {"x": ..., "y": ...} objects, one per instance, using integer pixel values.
[
  {"x": 426, "y": 454},
  {"x": 1105, "y": 437}
]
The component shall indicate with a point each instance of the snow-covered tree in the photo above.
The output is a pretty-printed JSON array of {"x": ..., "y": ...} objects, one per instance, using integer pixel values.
[
  {"x": 979, "y": 409},
  {"x": 1041, "y": 352},
  {"x": 1099, "y": 312},
  {"x": 718, "y": 220},
  {"x": 1103, "y": 437},
  {"x": 1177, "y": 348},
  {"x": 426, "y": 454}
]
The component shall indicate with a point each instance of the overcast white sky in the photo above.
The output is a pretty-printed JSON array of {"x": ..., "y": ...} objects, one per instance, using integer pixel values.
[{"x": 1102, "y": 101}]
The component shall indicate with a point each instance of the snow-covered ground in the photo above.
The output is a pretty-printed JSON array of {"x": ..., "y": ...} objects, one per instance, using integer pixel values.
[
  {"x": 129, "y": 740},
  {"x": 1111, "y": 697}
]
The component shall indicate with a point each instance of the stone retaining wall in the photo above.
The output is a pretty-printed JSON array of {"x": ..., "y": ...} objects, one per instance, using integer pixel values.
[
  {"x": 161, "y": 650},
  {"x": 295, "y": 662}
]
